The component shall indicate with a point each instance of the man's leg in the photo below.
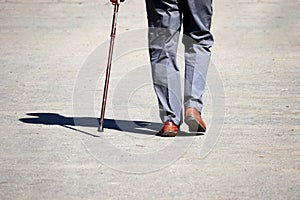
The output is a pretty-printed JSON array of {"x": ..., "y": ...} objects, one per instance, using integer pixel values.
[
  {"x": 197, "y": 40},
  {"x": 164, "y": 21}
]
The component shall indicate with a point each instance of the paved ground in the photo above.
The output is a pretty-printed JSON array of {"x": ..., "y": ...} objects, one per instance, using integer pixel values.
[{"x": 48, "y": 46}]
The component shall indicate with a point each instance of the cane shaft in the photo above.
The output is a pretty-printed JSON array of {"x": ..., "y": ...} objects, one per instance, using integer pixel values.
[{"x": 108, "y": 68}]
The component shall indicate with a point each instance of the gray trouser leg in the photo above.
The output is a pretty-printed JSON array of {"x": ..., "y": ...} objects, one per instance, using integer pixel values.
[
  {"x": 197, "y": 40},
  {"x": 164, "y": 21}
]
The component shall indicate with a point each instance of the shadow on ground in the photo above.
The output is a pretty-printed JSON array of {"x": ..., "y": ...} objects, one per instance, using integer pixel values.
[{"x": 138, "y": 127}]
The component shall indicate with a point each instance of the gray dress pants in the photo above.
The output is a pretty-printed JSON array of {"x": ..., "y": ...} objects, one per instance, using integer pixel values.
[{"x": 165, "y": 18}]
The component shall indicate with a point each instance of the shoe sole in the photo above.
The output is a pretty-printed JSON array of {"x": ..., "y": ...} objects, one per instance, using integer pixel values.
[
  {"x": 194, "y": 125},
  {"x": 167, "y": 134}
]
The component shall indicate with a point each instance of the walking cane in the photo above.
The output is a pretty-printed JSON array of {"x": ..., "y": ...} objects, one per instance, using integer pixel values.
[{"x": 108, "y": 68}]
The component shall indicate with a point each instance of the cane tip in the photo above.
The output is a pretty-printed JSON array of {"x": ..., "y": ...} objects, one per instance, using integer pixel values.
[{"x": 100, "y": 128}]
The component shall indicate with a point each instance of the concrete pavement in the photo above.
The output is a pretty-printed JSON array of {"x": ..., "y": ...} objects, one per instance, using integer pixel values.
[{"x": 50, "y": 149}]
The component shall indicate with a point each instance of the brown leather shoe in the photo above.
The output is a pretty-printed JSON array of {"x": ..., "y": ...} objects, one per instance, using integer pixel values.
[
  {"x": 168, "y": 130},
  {"x": 194, "y": 120}
]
